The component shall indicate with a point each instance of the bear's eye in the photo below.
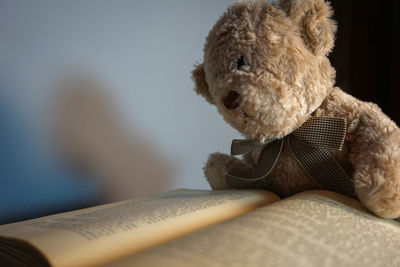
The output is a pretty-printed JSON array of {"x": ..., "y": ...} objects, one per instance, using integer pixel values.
[{"x": 242, "y": 63}]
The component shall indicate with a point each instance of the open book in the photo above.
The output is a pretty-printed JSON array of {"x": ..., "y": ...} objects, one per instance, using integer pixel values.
[{"x": 208, "y": 228}]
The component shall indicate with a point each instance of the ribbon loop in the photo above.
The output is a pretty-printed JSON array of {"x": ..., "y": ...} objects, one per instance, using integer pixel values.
[
  {"x": 269, "y": 156},
  {"x": 309, "y": 146},
  {"x": 239, "y": 147},
  {"x": 323, "y": 132}
]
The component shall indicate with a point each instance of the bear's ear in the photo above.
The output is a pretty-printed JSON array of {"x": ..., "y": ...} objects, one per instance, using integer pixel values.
[
  {"x": 201, "y": 86},
  {"x": 313, "y": 17}
]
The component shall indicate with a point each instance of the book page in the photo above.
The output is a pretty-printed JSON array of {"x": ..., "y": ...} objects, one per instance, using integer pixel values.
[
  {"x": 100, "y": 234},
  {"x": 309, "y": 229}
]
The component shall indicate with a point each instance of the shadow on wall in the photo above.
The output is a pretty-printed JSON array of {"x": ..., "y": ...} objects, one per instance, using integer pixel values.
[
  {"x": 97, "y": 159},
  {"x": 91, "y": 136}
]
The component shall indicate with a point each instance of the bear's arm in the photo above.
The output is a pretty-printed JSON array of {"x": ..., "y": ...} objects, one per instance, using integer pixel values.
[
  {"x": 219, "y": 165},
  {"x": 374, "y": 151},
  {"x": 375, "y": 154}
]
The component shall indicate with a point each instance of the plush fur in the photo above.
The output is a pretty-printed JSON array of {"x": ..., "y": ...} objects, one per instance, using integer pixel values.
[{"x": 266, "y": 70}]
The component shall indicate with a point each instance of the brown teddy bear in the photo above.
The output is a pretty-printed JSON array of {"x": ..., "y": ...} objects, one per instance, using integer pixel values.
[{"x": 266, "y": 70}]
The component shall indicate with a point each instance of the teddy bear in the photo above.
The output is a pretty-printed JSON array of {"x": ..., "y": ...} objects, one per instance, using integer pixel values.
[{"x": 266, "y": 69}]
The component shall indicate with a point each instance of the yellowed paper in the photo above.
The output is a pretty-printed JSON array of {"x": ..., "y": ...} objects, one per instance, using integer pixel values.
[
  {"x": 309, "y": 229},
  {"x": 100, "y": 234}
]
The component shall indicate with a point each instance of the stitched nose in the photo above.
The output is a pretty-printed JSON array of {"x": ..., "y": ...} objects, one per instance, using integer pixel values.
[{"x": 232, "y": 100}]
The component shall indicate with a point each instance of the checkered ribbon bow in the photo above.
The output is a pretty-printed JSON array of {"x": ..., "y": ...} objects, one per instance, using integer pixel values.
[{"x": 309, "y": 145}]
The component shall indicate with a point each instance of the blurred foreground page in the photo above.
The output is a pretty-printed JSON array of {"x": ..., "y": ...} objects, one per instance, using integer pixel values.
[
  {"x": 311, "y": 229},
  {"x": 104, "y": 233}
]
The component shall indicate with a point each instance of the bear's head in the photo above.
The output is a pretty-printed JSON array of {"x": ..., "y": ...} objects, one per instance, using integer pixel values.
[{"x": 265, "y": 65}]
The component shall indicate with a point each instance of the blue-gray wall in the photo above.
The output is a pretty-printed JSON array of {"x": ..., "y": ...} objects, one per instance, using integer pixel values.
[{"x": 144, "y": 51}]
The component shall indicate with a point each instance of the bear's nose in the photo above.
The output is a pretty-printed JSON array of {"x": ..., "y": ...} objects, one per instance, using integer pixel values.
[{"x": 232, "y": 100}]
